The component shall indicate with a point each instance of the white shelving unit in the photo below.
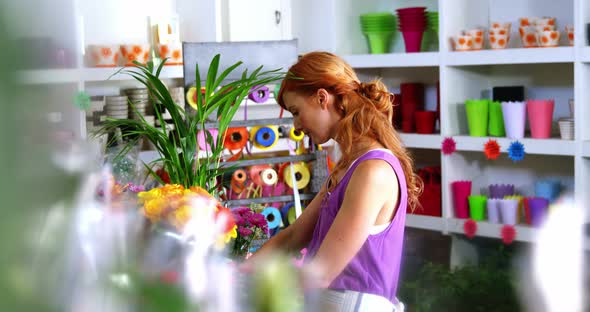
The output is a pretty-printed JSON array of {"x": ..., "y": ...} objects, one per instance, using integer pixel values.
[
  {"x": 510, "y": 56},
  {"x": 492, "y": 230},
  {"x": 560, "y": 73},
  {"x": 425, "y": 222},
  {"x": 532, "y": 146},
  {"x": 88, "y": 75},
  {"x": 427, "y": 141},
  {"x": 426, "y": 59}
]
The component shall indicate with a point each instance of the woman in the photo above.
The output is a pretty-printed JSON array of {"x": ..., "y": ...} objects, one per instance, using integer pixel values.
[{"x": 354, "y": 227}]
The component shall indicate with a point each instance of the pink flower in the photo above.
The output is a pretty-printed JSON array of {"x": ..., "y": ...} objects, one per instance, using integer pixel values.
[
  {"x": 258, "y": 220},
  {"x": 240, "y": 210},
  {"x": 243, "y": 231},
  {"x": 508, "y": 234},
  {"x": 264, "y": 229},
  {"x": 136, "y": 188},
  {"x": 470, "y": 228},
  {"x": 247, "y": 215},
  {"x": 239, "y": 220},
  {"x": 448, "y": 146}
]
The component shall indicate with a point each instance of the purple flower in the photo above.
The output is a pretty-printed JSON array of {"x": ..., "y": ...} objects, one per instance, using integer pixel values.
[
  {"x": 247, "y": 215},
  {"x": 243, "y": 231},
  {"x": 258, "y": 220},
  {"x": 241, "y": 210},
  {"x": 239, "y": 220},
  {"x": 136, "y": 188}
]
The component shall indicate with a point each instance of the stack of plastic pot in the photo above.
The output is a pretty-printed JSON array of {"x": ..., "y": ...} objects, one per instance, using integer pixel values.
[
  {"x": 412, "y": 24},
  {"x": 379, "y": 28},
  {"x": 430, "y": 38}
]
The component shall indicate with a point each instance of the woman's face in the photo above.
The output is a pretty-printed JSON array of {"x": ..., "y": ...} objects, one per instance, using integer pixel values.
[{"x": 312, "y": 114}]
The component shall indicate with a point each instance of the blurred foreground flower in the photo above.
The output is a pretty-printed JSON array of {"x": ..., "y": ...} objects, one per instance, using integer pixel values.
[{"x": 176, "y": 205}]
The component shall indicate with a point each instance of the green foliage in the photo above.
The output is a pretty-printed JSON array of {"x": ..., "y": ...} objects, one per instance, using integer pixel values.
[
  {"x": 180, "y": 152},
  {"x": 485, "y": 287}
]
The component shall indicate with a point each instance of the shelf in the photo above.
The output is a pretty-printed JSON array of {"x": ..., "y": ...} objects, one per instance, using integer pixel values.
[
  {"x": 511, "y": 56},
  {"x": 531, "y": 146},
  {"x": 586, "y": 149},
  {"x": 413, "y": 140},
  {"x": 253, "y": 122},
  {"x": 524, "y": 233},
  {"x": 261, "y": 161},
  {"x": 74, "y": 75},
  {"x": 49, "y": 76},
  {"x": 424, "y": 59},
  {"x": 265, "y": 200},
  {"x": 102, "y": 74},
  {"x": 585, "y": 54},
  {"x": 425, "y": 222}
]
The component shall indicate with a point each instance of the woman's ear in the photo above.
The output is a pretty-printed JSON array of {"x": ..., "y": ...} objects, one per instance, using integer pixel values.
[{"x": 323, "y": 97}]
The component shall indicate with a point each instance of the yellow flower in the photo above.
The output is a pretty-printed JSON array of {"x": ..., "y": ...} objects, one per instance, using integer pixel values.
[
  {"x": 180, "y": 216},
  {"x": 223, "y": 239},
  {"x": 173, "y": 189},
  {"x": 153, "y": 208},
  {"x": 201, "y": 191},
  {"x": 178, "y": 205},
  {"x": 149, "y": 195},
  {"x": 231, "y": 234}
]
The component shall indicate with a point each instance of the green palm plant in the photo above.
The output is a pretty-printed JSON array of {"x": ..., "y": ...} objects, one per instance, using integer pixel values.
[{"x": 180, "y": 155}]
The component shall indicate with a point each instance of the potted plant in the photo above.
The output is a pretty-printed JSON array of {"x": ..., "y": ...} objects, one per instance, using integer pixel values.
[
  {"x": 180, "y": 157},
  {"x": 186, "y": 201}
]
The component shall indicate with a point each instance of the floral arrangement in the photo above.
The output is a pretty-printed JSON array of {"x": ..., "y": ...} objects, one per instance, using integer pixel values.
[
  {"x": 177, "y": 205},
  {"x": 251, "y": 225}
]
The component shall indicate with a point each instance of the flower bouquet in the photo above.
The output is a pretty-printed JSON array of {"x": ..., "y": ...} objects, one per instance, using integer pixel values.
[
  {"x": 178, "y": 206},
  {"x": 250, "y": 226}
]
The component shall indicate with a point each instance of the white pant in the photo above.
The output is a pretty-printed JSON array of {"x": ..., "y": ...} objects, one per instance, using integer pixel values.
[{"x": 352, "y": 301}]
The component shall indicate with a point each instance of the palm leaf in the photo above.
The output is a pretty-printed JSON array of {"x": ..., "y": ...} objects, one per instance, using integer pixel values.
[{"x": 179, "y": 154}]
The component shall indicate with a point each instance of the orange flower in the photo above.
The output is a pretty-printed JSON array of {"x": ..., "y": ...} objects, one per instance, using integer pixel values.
[
  {"x": 176, "y": 54},
  {"x": 164, "y": 51},
  {"x": 225, "y": 215},
  {"x": 106, "y": 52},
  {"x": 137, "y": 49}
]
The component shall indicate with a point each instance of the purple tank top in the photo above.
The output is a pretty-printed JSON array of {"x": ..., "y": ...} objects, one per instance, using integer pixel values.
[{"x": 375, "y": 268}]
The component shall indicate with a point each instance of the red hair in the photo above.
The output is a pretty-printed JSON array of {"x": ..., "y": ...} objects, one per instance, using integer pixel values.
[{"x": 366, "y": 110}]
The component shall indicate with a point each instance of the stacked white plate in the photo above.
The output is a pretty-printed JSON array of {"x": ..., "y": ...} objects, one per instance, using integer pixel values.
[
  {"x": 116, "y": 106},
  {"x": 566, "y": 128},
  {"x": 139, "y": 98},
  {"x": 95, "y": 116}
]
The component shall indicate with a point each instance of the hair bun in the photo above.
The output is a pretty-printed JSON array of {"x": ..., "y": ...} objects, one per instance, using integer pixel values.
[{"x": 375, "y": 91}]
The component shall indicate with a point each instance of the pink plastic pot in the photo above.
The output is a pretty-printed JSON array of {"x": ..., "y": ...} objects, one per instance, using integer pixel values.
[{"x": 540, "y": 114}]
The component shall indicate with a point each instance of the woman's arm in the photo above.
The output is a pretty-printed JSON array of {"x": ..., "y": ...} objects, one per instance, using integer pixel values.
[
  {"x": 297, "y": 235},
  {"x": 371, "y": 186}
]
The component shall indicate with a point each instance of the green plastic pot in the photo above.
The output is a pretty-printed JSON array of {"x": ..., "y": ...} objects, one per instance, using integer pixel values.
[
  {"x": 477, "y": 117},
  {"x": 496, "y": 123},
  {"x": 477, "y": 207}
]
